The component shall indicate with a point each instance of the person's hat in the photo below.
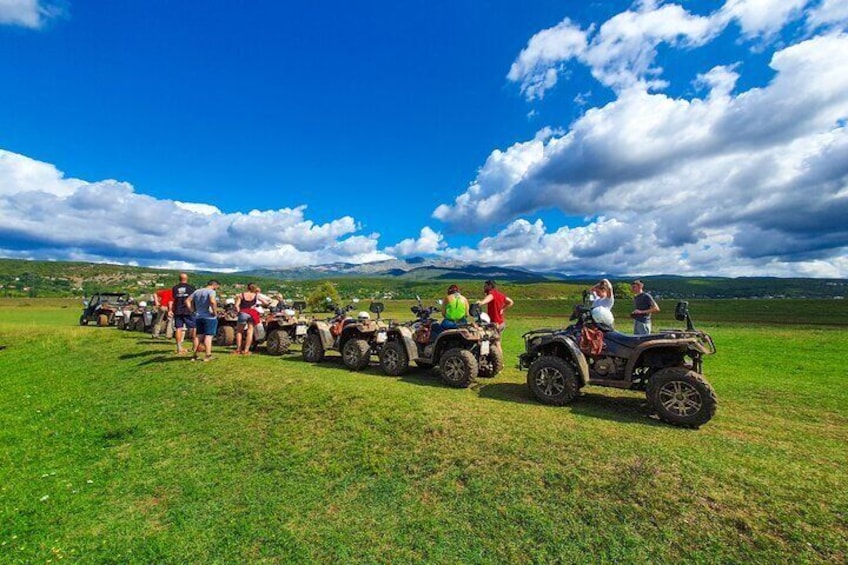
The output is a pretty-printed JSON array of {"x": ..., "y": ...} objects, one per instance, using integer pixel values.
[{"x": 638, "y": 281}]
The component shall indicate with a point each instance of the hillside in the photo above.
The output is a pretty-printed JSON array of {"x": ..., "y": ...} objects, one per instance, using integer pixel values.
[{"x": 389, "y": 279}]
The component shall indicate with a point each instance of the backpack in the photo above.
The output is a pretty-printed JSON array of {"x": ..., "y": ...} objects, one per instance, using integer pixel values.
[{"x": 591, "y": 341}]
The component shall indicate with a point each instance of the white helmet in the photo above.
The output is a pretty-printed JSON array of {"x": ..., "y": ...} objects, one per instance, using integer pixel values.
[
  {"x": 230, "y": 301},
  {"x": 603, "y": 315},
  {"x": 142, "y": 304},
  {"x": 363, "y": 316},
  {"x": 288, "y": 312}
]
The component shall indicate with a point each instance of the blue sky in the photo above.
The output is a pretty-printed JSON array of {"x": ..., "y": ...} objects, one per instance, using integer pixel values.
[{"x": 612, "y": 136}]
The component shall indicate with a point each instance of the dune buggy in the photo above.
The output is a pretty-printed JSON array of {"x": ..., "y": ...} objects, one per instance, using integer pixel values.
[
  {"x": 667, "y": 366},
  {"x": 103, "y": 308}
]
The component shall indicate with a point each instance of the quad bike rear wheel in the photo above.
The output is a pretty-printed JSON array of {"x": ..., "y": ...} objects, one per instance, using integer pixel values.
[
  {"x": 493, "y": 363},
  {"x": 393, "y": 359},
  {"x": 458, "y": 368},
  {"x": 313, "y": 349},
  {"x": 278, "y": 342},
  {"x": 83, "y": 320},
  {"x": 552, "y": 381},
  {"x": 682, "y": 397},
  {"x": 103, "y": 320},
  {"x": 356, "y": 354}
]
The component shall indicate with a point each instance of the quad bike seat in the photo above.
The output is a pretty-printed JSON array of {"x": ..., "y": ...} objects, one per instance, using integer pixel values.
[{"x": 628, "y": 340}]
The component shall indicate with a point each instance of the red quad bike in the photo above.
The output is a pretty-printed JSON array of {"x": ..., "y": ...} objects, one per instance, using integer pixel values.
[
  {"x": 357, "y": 339},
  {"x": 462, "y": 353},
  {"x": 667, "y": 366}
]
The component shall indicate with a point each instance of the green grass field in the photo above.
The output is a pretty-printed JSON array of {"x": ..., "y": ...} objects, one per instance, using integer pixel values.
[{"x": 113, "y": 450}]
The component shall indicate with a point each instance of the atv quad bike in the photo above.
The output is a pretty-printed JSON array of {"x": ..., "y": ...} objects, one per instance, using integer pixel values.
[
  {"x": 462, "y": 353},
  {"x": 284, "y": 328},
  {"x": 138, "y": 318},
  {"x": 667, "y": 366},
  {"x": 357, "y": 339},
  {"x": 102, "y": 308},
  {"x": 227, "y": 322}
]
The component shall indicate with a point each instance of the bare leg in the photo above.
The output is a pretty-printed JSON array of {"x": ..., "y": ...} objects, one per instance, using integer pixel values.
[
  {"x": 180, "y": 333},
  {"x": 194, "y": 338},
  {"x": 249, "y": 339},
  {"x": 207, "y": 342},
  {"x": 239, "y": 330}
]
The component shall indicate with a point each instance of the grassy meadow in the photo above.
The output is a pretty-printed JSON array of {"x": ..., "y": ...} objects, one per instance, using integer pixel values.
[{"x": 113, "y": 450}]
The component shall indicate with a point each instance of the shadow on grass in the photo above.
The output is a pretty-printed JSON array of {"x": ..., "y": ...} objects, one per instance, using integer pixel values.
[
  {"x": 632, "y": 409},
  {"x": 139, "y": 354},
  {"x": 165, "y": 359}
]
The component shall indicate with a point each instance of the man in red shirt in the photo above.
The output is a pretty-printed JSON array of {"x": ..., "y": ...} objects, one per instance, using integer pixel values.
[
  {"x": 496, "y": 302},
  {"x": 162, "y": 298}
]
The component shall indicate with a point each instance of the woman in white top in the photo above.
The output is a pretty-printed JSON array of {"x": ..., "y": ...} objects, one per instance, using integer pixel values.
[
  {"x": 602, "y": 297},
  {"x": 602, "y": 294}
]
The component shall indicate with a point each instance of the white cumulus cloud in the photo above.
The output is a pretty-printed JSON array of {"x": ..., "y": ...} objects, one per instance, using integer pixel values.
[
  {"x": 27, "y": 13},
  {"x": 427, "y": 243},
  {"x": 43, "y": 214},
  {"x": 720, "y": 182}
]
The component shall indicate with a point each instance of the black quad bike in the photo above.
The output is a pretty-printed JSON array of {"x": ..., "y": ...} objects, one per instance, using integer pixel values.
[
  {"x": 462, "y": 353},
  {"x": 284, "y": 327},
  {"x": 667, "y": 366},
  {"x": 102, "y": 308},
  {"x": 357, "y": 339}
]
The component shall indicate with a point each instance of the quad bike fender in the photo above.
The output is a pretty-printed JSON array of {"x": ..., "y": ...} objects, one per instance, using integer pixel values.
[
  {"x": 692, "y": 345},
  {"x": 323, "y": 330},
  {"x": 578, "y": 358},
  {"x": 404, "y": 335},
  {"x": 564, "y": 348}
]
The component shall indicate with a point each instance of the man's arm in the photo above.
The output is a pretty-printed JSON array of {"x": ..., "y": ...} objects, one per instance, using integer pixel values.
[
  {"x": 486, "y": 300},
  {"x": 190, "y": 302},
  {"x": 509, "y": 303}
]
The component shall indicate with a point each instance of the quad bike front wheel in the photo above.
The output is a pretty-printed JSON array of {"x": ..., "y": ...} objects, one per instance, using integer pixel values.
[
  {"x": 278, "y": 342},
  {"x": 682, "y": 397},
  {"x": 458, "y": 368},
  {"x": 83, "y": 321},
  {"x": 356, "y": 354},
  {"x": 493, "y": 363},
  {"x": 393, "y": 359},
  {"x": 552, "y": 381},
  {"x": 313, "y": 349}
]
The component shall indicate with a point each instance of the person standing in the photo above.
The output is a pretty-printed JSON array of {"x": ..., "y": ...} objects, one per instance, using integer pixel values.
[
  {"x": 204, "y": 302},
  {"x": 645, "y": 305},
  {"x": 182, "y": 314},
  {"x": 161, "y": 299},
  {"x": 496, "y": 302},
  {"x": 247, "y": 304}
]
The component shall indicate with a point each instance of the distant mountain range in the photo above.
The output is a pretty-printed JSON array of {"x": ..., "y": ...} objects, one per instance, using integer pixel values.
[{"x": 415, "y": 268}]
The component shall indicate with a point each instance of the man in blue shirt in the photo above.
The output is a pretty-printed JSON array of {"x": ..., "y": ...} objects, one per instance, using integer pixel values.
[{"x": 205, "y": 305}]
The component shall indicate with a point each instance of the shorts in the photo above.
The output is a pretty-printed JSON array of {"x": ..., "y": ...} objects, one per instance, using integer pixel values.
[
  {"x": 207, "y": 326},
  {"x": 245, "y": 318},
  {"x": 641, "y": 328},
  {"x": 184, "y": 321}
]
